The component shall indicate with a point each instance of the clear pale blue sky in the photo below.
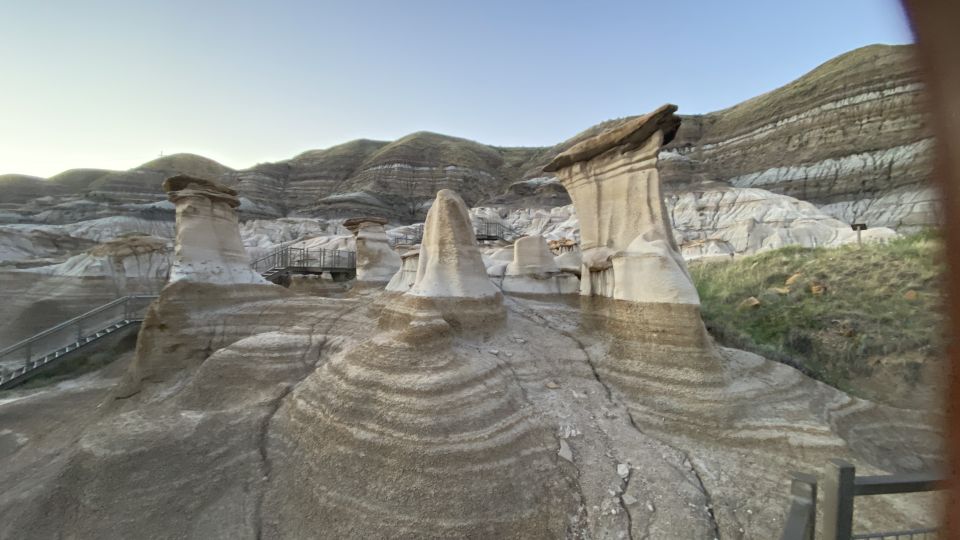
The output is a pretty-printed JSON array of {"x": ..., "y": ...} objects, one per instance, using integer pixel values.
[{"x": 90, "y": 83}]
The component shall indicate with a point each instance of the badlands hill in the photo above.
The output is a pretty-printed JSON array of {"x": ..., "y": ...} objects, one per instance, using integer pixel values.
[{"x": 848, "y": 137}]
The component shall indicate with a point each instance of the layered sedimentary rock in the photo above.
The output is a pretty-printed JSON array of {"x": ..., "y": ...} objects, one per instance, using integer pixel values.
[
  {"x": 850, "y": 136},
  {"x": 533, "y": 270},
  {"x": 408, "y": 435},
  {"x": 377, "y": 262},
  {"x": 629, "y": 252},
  {"x": 712, "y": 220},
  {"x": 208, "y": 247},
  {"x": 723, "y": 221},
  {"x": 135, "y": 263}
]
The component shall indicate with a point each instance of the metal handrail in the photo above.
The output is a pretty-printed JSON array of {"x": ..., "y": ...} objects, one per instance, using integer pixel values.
[
  {"x": 291, "y": 257},
  {"x": 840, "y": 485},
  {"x": 488, "y": 230},
  {"x": 45, "y": 348},
  {"x": 69, "y": 322},
  {"x": 898, "y": 483}
]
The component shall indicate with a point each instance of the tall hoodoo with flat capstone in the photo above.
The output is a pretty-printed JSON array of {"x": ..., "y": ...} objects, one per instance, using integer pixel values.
[
  {"x": 208, "y": 246},
  {"x": 629, "y": 252},
  {"x": 376, "y": 261}
]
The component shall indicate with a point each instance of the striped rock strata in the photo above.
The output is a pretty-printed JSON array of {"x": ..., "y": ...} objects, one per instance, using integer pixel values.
[
  {"x": 850, "y": 136},
  {"x": 409, "y": 435}
]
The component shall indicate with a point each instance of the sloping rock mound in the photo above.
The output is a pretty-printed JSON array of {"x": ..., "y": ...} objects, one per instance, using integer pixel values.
[
  {"x": 407, "y": 437},
  {"x": 752, "y": 220},
  {"x": 137, "y": 263}
]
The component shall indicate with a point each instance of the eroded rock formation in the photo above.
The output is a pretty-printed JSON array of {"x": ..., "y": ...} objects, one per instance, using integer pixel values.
[
  {"x": 208, "y": 247},
  {"x": 533, "y": 270},
  {"x": 629, "y": 252},
  {"x": 408, "y": 435},
  {"x": 450, "y": 265},
  {"x": 377, "y": 262}
]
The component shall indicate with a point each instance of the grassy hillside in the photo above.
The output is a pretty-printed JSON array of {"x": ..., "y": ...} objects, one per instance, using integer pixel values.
[{"x": 867, "y": 320}]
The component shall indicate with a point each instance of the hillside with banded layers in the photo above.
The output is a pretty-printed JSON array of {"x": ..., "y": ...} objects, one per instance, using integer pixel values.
[
  {"x": 850, "y": 137},
  {"x": 848, "y": 140}
]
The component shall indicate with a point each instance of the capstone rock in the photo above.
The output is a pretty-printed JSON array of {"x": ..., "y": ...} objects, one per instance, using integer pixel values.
[{"x": 208, "y": 246}]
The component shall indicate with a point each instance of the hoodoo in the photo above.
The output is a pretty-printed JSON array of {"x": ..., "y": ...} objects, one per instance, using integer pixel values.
[
  {"x": 208, "y": 245},
  {"x": 628, "y": 248},
  {"x": 410, "y": 434},
  {"x": 534, "y": 270},
  {"x": 376, "y": 261}
]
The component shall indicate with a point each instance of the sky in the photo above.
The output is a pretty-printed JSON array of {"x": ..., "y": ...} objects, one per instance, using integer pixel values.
[{"x": 113, "y": 84}]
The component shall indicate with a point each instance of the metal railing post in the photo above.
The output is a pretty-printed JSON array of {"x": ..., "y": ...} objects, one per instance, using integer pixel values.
[
  {"x": 838, "y": 492},
  {"x": 29, "y": 352},
  {"x": 801, "y": 521},
  {"x": 79, "y": 331}
]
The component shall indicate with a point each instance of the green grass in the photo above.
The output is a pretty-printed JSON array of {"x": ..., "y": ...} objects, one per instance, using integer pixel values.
[{"x": 879, "y": 300}]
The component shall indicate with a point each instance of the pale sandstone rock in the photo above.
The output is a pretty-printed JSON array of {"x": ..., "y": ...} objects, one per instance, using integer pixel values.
[
  {"x": 208, "y": 247},
  {"x": 406, "y": 424},
  {"x": 377, "y": 262},
  {"x": 450, "y": 265},
  {"x": 613, "y": 180},
  {"x": 534, "y": 271},
  {"x": 531, "y": 255},
  {"x": 135, "y": 257},
  {"x": 570, "y": 261},
  {"x": 406, "y": 276}
]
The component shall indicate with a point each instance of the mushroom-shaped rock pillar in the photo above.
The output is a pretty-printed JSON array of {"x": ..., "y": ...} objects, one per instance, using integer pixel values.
[
  {"x": 376, "y": 261},
  {"x": 208, "y": 245},
  {"x": 628, "y": 248}
]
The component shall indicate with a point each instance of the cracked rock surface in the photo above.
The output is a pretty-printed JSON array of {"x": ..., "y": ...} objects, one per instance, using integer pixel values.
[{"x": 272, "y": 415}]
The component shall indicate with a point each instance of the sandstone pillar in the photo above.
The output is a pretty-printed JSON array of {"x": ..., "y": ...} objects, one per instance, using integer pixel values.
[
  {"x": 626, "y": 237},
  {"x": 377, "y": 262},
  {"x": 208, "y": 245}
]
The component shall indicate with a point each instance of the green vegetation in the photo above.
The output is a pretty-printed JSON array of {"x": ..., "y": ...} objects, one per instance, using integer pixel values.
[{"x": 831, "y": 311}]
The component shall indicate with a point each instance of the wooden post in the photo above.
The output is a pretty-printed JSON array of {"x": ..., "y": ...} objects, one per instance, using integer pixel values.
[{"x": 838, "y": 484}]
